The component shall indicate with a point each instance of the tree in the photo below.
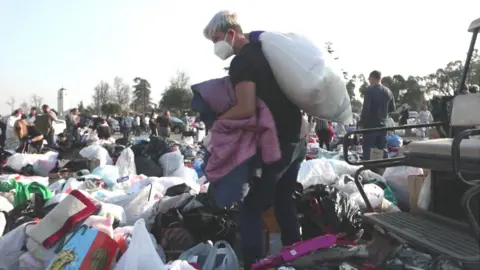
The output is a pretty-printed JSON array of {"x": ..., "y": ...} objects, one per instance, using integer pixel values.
[
  {"x": 177, "y": 96},
  {"x": 111, "y": 109},
  {"x": 81, "y": 108},
  {"x": 121, "y": 93},
  {"x": 141, "y": 95},
  {"x": 24, "y": 106},
  {"x": 11, "y": 102},
  {"x": 36, "y": 101},
  {"x": 101, "y": 96}
]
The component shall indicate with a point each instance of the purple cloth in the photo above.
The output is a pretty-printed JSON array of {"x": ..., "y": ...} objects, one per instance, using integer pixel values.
[{"x": 235, "y": 141}]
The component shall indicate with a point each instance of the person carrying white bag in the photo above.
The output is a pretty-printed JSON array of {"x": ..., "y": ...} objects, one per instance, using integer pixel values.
[{"x": 252, "y": 77}]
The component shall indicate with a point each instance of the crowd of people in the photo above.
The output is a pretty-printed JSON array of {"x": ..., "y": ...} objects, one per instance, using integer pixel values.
[{"x": 26, "y": 132}]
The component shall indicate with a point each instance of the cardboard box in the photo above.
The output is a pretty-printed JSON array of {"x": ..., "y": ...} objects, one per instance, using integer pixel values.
[{"x": 415, "y": 183}]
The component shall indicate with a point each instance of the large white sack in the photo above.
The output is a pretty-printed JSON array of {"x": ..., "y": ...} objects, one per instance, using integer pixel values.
[
  {"x": 308, "y": 75},
  {"x": 315, "y": 172}
]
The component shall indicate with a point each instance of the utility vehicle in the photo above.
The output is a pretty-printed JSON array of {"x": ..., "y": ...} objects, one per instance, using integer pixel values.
[{"x": 449, "y": 227}]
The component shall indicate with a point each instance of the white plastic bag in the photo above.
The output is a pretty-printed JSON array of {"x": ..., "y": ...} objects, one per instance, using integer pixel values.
[
  {"x": 186, "y": 173},
  {"x": 126, "y": 163},
  {"x": 18, "y": 161},
  {"x": 11, "y": 247},
  {"x": 171, "y": 162},
  {"x": 141, "y": 254},
  {"x": 188, "y": 140},
  {"x": 308, "y": 75},
  {"x": 346, "y": 184},
  {"x": 98, "y": 152},
  {"x": 397, "y": 179},
  {"x": 425, "y": 194},
  {"x": 375, "y": 195},
  {"x": 108, "y": 173},
  {"x": 179, "y": 265},
  {"x": 316, "y": 171},
  {"x": 222, "y": 258}
]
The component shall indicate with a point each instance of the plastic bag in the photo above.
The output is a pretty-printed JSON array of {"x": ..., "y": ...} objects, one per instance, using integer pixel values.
[
  {"x": 308, "y": 75},
  {"x": 98, "y": 152},
  {"x": 141, "y": 254},
  {"x": 375, "y": 195},
  {"x": 316, "y": 171},
  {"x": 397, "y": 179},
  {"x": 18, "y": 161},
  {"x": 171, "y": 162},
  {"x": 346, "y": 184},
  {"x": 222, "y": 258},
  {"x": 425, "y": 194},
  {"x": 126, "y": 163},
  {"x": 11, "y": 247},
  {"x": 186, "y": 173},
  {"x": 108, "y": 173}
]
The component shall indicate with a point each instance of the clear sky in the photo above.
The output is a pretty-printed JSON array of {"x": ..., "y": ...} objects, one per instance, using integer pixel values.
[{"x": 47, "y": 44}]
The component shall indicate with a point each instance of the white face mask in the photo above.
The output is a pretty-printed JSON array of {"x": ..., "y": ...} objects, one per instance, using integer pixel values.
[{"x": 223, "y": 49}]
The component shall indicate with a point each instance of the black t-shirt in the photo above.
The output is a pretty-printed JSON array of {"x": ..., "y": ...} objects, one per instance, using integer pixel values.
[
  {"x": 250, "y": 64},
  {"x": 32, "y": 132},
  {"x": 164, "y": 121}
]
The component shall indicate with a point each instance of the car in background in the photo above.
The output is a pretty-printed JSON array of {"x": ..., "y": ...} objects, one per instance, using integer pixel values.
[
  {"x": 177, "y": 125},
  {"x": 114, "y": 125}
]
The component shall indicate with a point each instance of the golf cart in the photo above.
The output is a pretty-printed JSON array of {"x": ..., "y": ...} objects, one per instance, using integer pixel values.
[{"x": 449, "y": 227}]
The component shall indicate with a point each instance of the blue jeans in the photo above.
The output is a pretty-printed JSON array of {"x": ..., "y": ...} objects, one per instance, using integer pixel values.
[
  {"x": 374, "y": 140},
  {"x": 277, "y": 186}
]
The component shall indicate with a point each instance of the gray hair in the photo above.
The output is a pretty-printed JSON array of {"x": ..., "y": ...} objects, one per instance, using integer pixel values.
[{"x": 222, "y": 21}]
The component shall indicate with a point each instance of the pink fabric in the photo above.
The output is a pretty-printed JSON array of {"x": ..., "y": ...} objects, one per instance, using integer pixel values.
[{"x": 235, "y": 141}]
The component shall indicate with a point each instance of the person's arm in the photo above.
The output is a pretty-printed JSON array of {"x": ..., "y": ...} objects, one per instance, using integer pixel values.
[
  {"x": 52, "y": 116},
  {"x": 367, "y": 104},
  {"x": 242, "y": 76}
]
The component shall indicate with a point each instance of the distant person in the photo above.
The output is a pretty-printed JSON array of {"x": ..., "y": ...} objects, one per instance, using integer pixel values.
[
  {"x": 138, "y": 123},
  {"x": 153, "y": 123},
  {"x": 404, "y": 115},
  {"x": 164, "y": 125},
  {"x": 32, "y": 115},
  {"x": 424, "y": 117},
  {"x": 101, "y": 128},
  {"x": 378, "y": 102},
  {"x": 71, "y": 121},
  {"x": 11, "y": 140},
  {"x": 44, "y": 123},
  {"x": 126, "y": 124},
  {"x": 147, "y": 123},
  {"x": 31, "y": 139},
  {"x": 323, "y": 133},
  {"x": 143, "y": 126}
]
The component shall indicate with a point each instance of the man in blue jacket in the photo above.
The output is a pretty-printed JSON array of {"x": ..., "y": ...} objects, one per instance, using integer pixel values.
[{"x": 126, "y": 125}]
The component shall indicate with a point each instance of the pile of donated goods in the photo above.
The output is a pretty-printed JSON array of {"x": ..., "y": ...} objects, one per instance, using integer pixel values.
[
  {"x": 148, "y": 206},
  {"x": 168, "y": 217}
]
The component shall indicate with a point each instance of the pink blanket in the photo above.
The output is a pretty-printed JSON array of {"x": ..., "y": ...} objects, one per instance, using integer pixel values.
[{"x": 235, "y": 141}]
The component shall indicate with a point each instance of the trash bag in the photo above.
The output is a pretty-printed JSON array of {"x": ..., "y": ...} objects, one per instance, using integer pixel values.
[
  {"x": 308, "y": 76},
  {"x": 316, "y": 171},
  {"x": 171, "y": 162},
  {"x": 202, "y": 219},
  {"x": 26, "y": 212},
  {"x": 325, "y": 210},
  {"x": 157, "y": 147},
  {"x": 148, "y": 167},
  {"x": 141, "y": 254}
]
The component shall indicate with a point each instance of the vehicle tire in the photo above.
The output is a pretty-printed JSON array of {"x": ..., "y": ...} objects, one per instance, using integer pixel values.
[{"x": 177, "y": 130}]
